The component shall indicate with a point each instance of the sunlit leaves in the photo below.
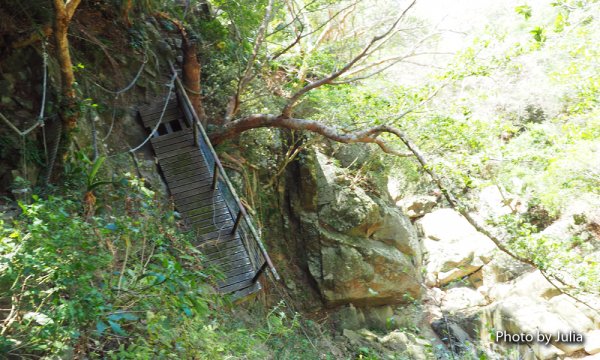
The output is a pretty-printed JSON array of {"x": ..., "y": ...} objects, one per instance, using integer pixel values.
[
  {"x": 539, "y": 34},
  {"x": 524, "y": 10}
]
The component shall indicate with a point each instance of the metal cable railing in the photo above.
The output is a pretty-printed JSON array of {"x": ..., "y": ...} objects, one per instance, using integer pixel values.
[{"x": 243, "y": 223}]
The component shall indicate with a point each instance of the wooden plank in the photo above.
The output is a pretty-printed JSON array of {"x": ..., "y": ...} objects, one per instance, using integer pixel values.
[
  {"x": 233, "y": 272},
  {"x": 191, "y": 203},
  {"x": 207, "y": 216},
  {"x": 239, "y": 270},
  {"x": 208, "y": 248},
  {"x": 155, "y": 115},
  {"x": 222, "y": 226},
  {"x": 227, "y": 265},
  {"x": 178, "y": 167},
  {"x": 205, "y": 207},
  {"x": 207, "y": 194},
  {"x": 236, "y": 286},
  {"x": 191, "y": 155},
  {"x": 150, "y": 122},
  {"x": 214, "y": 231},
  {"x": 203, "y": 186},
  {"x": 186, "y": 141},
  {"x": 185, "y": 165},
  {"x": 224, "y": 237},
  {"x": 214, "y": 224},
  {"x": 199, "y": 201},
  {"x": 188, "y": 178},
  {"x": 226, "y": 252},
  {"x": 230, "y": 280},
  {"x": 222, "y": 234},
  {"x": 215, "y": 221},
  {"x": 176, "y": 153},
  {"x": 229, "y": 255},
  {"x": 196, "y": 178},
  {"x": 193, "y": 172},
  {"x": 256, "y": 287},
  {"x": 157, "y": 107},
  {"x": 166, "y": 139},
  {"x": 170, "y": 115},
  {"x": 174, "y": 171}
]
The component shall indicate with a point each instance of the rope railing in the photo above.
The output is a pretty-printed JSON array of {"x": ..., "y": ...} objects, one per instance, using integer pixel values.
[{"x": 243, "y": 224}]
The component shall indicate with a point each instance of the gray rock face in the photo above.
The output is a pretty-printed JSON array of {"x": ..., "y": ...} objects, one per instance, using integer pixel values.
[{"x": 359, "y": 249}]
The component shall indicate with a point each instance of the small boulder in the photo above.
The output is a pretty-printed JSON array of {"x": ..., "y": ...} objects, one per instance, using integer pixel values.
[
  {"x": 417, "y": 206},
  {"x": 592, "y": 342},
  {"x": 460, "y": 299},
  {"x": 407, "y": 344}
]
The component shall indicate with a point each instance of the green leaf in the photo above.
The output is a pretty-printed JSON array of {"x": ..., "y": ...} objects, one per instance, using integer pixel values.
[
  {"x": 539, "y": 34},
  {"x": 101, "y": 326},
  {"x": 123, "y": 316},
  {"x": 116, "y": 328},
  {"x": 95, "y": 168},
  {"x": 524, "y": 10},
  {"x": 98, "y": 183}
]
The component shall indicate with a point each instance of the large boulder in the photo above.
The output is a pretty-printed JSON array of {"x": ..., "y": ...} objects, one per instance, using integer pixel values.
[
  {"x": 359, "y": 249},
  {"x": 453, "y": 247},
  {"x": 528, "y": 304}
]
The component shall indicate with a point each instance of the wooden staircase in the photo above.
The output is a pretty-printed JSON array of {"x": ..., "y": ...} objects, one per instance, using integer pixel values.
[{"x": 203, "y": 194}]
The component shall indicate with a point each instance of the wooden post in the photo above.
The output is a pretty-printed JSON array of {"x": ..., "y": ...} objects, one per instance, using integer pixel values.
[
  {"x": 259, "y": 272},
  {"x": 215, "y": 177},
  {"x": 237, "y": 222}
]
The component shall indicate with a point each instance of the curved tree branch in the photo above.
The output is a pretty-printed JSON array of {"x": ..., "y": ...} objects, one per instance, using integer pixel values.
[{"x": 369, "y": 136}]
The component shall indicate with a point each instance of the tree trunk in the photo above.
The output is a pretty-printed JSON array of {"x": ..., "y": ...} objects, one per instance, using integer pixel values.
[
  {"x": 126, "y": 8},
  {"x": 68, "y": 110},
  {"x": 191, "y": 68},
  {"x": 191, "y": 77}
]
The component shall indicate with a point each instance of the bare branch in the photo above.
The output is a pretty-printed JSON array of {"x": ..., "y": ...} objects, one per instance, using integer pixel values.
[
  {"x": 287, "y": 111},
  {"x": 301, "y": 36},
  {"x": 394, "y": 61},
  {"x": 233, "y": 105},
  {"x": 294, "y": 19}
]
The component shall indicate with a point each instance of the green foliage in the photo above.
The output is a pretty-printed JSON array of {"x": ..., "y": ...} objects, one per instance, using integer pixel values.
[
  {"x": 74, "y": 283},
  {"x": 124, "y": 284},
  {"x": 524, "y": 10}
]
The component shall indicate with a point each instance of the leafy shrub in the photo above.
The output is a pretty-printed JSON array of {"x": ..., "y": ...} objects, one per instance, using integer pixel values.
[{"x": 78, "y": 285}]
